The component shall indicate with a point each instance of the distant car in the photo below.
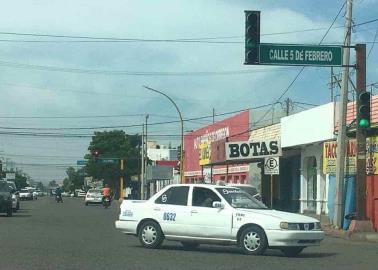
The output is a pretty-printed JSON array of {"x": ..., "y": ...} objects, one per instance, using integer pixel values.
[
  {"x": 26, "y": 194},
  {"x": 94, "y": 196},
  {"x": 15, "y": 196},
  {"x": 65, "y": 194},
  {"x": 6, "y": 198},
  {"x": 81, "y": 193},
  {"x": 35, "y": 195},
  {"x": 251, "y": 190}
]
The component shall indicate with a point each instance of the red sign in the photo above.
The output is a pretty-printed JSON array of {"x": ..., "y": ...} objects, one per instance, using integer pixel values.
[{"x": 235, "y": 128}]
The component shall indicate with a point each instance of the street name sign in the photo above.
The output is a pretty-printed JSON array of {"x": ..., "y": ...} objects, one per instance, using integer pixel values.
[
  {"x": 272, "y": 165},
  {"x": 300, "y": 55},
  {"x": 108, "y": 160},
  {"x": 82, "y": 162}
]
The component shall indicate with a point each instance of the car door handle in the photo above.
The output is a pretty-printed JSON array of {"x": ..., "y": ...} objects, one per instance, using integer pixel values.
[
  {"x": 194, "y": 211},
  {"x": 157, "y": 209}
]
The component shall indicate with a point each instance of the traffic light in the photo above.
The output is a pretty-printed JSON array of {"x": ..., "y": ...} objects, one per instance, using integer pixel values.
[
  {"x": 179, "y": 152},
  {"x": 96, "y": 155},
  {"x": 252, "y": 37},
  {"x": 364, "y": 110}
]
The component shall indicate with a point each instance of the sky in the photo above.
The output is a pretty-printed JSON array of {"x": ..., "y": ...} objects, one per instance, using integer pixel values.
[{"x": 54, "y": 82}]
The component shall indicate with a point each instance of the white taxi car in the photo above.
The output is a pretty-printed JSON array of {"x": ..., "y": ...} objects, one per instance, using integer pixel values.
[
  {"x": 200, "y": 213},
  {"x": 93, "y": 196}
]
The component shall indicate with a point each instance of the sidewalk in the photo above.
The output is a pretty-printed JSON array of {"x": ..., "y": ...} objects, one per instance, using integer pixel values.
[{"x": 329, "y": 230}]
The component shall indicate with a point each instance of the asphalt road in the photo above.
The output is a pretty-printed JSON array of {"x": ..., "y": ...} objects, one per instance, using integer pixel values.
[{"x": 47, "y": 235}]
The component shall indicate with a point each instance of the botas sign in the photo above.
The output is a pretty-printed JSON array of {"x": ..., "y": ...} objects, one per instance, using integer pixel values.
[{"x": 252, "y": 149}]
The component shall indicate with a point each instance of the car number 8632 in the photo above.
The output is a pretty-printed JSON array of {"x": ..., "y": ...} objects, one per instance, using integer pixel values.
[{"x": 169, "y": 216}]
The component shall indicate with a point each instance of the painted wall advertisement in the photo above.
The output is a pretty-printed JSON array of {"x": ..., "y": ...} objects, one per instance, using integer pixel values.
[{"x": 329, "y": 156}]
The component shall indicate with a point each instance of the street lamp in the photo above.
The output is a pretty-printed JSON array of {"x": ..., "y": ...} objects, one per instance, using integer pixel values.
[{"x": 182, "y": 129}]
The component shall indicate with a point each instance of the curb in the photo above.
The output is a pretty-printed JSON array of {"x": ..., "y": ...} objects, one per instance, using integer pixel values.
[{"x": 353, "y": 236}]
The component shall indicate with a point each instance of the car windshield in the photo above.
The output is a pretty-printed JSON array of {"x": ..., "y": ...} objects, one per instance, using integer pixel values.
[
  {"x": 238, "y": 198},
  {"x": 94, "y": 191},
  {"x": 250, "y": 190},
  {"x": 25, "y": 190},
  {"x": 4, "y": 187}
]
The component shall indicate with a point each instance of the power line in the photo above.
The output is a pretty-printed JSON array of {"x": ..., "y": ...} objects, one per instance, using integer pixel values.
[
  {"x": 133, "y": 125},
  {"x": 84, "y": 38},
  {"x": 132, "y": 73}
]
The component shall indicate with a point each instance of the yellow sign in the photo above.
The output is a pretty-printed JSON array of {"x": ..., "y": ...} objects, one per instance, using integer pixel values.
[
  {"x": 329, "y": 157},
  {"x": 204, "y": 154},
  {"x": 372, "y": 155}
]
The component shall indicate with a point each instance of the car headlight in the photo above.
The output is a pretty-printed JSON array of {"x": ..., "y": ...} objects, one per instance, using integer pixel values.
[
  {"x": 318, "y": 226},
  {"x": 289, "y": 226}
]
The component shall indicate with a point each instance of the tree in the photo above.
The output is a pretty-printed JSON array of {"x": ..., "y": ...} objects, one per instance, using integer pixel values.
[
  {"x": 21, "y": 179},
  {"x": 115, "y": 145},
  {"x": 74, "y": 179},
  {"x": 40, "y": 186}
]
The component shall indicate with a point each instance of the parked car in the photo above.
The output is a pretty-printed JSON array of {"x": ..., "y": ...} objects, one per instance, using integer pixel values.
[
  {"x": 15, "y": 196},
  {"x": 211, "y": 214},
  {"x": 251, "y": 190},
  {"x": 81, "y": 194},
  {"x": 26, "y": 194},
  {"x": 93, "y": 196},
  {"x": 6, "y": 198},
  {"x": 65, "y": 194}
]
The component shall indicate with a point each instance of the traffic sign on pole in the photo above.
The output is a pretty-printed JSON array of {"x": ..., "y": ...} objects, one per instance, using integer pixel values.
[
  {"x": 300, "y": 55},
  {"x": 272, "y": 165}
]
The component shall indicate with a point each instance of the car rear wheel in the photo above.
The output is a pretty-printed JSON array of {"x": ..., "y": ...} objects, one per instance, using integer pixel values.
[
  {"x": 253, "y": 241},
  {"x": 291, "y": 251},
  {"x": 190, "y": 245},
  {"x": 150, "y": 235},
  {"x": 18, "y": 206}
]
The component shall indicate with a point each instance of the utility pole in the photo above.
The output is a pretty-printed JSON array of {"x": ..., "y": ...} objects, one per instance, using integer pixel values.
[
  {"x": 288, "y": 103},
  {"x": 121, "y": 180},
  {"x": 332, "y": 84},
  {"x": 142, "y": 179},
  {"x": 146, "y": 158},
  {"x": 342, "y": 139},
  {"x": 213, "y": 115}
]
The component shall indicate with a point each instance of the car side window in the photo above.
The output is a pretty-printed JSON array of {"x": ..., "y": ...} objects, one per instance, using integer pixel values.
[
  {"x": 204, "y": 197},
  {"x": 175, "y": 196}
]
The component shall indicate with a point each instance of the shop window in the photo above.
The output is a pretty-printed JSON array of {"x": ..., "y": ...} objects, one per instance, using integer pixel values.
[
  {"x": 229, "y": 178},
  {"x": 236, "y": 179},
  {"x": 222, "y": 178},
  {"x": 243, "y": 179}
]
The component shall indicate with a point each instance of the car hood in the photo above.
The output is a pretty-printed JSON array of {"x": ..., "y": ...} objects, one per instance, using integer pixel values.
[{"x": 283, "y": 216}]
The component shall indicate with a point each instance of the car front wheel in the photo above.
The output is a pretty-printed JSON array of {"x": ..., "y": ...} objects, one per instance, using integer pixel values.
[
  {"x": 291, "y": 251},
  {"x": 253, "y": 241},
  {"x": 150, "y": 235}
]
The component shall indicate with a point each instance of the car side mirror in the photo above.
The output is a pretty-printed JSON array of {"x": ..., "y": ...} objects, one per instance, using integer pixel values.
[{"x": 218, "y": 204}]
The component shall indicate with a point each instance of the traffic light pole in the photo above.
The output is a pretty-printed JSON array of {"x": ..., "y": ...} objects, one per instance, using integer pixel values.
[{"x": 360, "y": 134}]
